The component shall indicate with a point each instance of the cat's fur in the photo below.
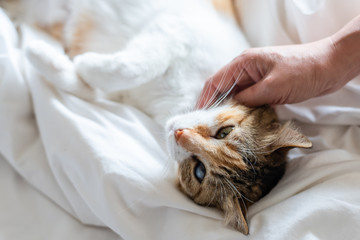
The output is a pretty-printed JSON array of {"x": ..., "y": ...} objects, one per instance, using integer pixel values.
[
  {"x": 160, "y": 50},
  {"x": 240, "y": 168},
  {"x": 156, "y": 56}
]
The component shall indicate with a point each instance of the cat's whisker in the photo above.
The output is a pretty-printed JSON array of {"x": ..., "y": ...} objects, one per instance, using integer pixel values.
[
  {"x": 223, "y": 191},
  {"x": 233, "y": 188},
  {"x": 223, "y": 95},
  {"x": 242, "y": 200},
  {"x": 211, "y": 103},
  {"x": 214, "y": 96},
  {"x": 252, "y": 166},
  {"x": 227, "y": 93},
  {"x": 241, "y": 196},
  {"x": 214, "y": 194},
  {"x": 247, "y": 199},
  {"x": 238, "y": 194},
  {"x": 206, "y": 95}
]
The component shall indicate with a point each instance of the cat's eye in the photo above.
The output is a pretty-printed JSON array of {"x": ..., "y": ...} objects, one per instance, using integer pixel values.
[
  {"x": 223, "y": 132},
  {"x": 199, "y": 171}
]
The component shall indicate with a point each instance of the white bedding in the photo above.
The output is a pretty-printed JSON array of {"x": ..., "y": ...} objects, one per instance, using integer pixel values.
[{"x": 70, "y": 169}]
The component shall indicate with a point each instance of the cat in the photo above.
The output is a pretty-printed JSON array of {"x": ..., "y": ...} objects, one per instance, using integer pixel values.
[
  {"x": 230, "y": 156},
  {"x": 156, "y": 55},
  {"x": 159, "y": 50}
]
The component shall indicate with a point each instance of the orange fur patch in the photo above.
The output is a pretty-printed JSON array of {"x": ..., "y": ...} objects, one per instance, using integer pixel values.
[
  {"x": 224, "y": 156},
  {"x": 234, "y": 114},
  {"x": 217, "y": 152},
  {"x": 203, "y": 130},
  {"x": 192, "y": 141},
  {"x": 84, "y": 25},
  {"x": 225, "y": 6},
  {"x": 56, "y": 31}
]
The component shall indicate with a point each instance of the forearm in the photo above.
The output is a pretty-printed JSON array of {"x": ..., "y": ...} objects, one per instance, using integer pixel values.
[
  {"x": 346, "y": 50},
  {"x": 292, "y": 73}
]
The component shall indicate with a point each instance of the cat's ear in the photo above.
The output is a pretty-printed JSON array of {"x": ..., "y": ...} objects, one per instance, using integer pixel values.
[
  {"x": 235, "y": 214},
  {"x": 289, "y": 137}
]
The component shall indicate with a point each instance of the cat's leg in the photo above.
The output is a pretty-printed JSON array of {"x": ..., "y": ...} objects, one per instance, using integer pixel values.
[
  {"x": 58, "y": 69},
  {"x": 147, "y": 56}
]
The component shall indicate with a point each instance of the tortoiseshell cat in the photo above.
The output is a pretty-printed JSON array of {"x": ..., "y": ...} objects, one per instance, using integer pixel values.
[
  {"x": 156, "y": 55},
  {"x": 231, "y": 156}
]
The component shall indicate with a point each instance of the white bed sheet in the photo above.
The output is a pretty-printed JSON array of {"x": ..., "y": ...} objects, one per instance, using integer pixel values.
[{"x": 70, "y": 169}]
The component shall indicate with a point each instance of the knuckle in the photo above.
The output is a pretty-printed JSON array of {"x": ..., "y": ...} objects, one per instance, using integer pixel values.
[{"x": 250, "y": 53}]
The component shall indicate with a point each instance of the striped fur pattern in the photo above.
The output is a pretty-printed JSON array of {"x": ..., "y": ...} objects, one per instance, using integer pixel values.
[{"x": 231, "y": 156}]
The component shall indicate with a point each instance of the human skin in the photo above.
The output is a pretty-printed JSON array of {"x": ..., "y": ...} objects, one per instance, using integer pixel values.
[{"x": 291, "y": 73}]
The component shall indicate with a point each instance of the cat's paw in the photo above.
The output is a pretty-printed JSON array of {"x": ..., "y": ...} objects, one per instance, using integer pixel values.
[
  {"x": 107, "y": 72},
  {"x": 47, "y": 59},
  {"x": 51, "y": 63},
  {"x": 57, "y": 69},
  {"x": 95, "y": 69}
]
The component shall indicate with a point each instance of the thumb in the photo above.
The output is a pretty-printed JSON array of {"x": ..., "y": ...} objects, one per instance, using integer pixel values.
[{"x": 256, "y": 95}]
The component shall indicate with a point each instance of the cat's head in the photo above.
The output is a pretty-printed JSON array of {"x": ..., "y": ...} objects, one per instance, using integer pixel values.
[{"x": 230, "y": 156}]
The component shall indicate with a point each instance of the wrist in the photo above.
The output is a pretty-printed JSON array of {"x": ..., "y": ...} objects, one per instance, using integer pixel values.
[{"x": 345, "y": 50}]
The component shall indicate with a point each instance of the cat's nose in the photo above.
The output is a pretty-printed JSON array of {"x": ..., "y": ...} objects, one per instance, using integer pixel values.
[{"x": 178, "y": 134}]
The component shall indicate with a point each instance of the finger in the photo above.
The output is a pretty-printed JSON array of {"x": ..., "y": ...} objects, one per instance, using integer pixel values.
[
  {"x": 213, "y": 87},
  {"x": 233, "y": 76},
  {"x": 230, "y": 74},
  {"x": 207, "y": 93},
  {"x": 256, "y": 95}
]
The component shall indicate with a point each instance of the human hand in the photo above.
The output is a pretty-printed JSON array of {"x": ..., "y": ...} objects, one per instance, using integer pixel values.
[{"x": 278, "y": 75}]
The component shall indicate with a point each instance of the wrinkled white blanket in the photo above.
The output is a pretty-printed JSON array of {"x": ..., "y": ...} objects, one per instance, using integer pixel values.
[{"x": 70, "y": 169}]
